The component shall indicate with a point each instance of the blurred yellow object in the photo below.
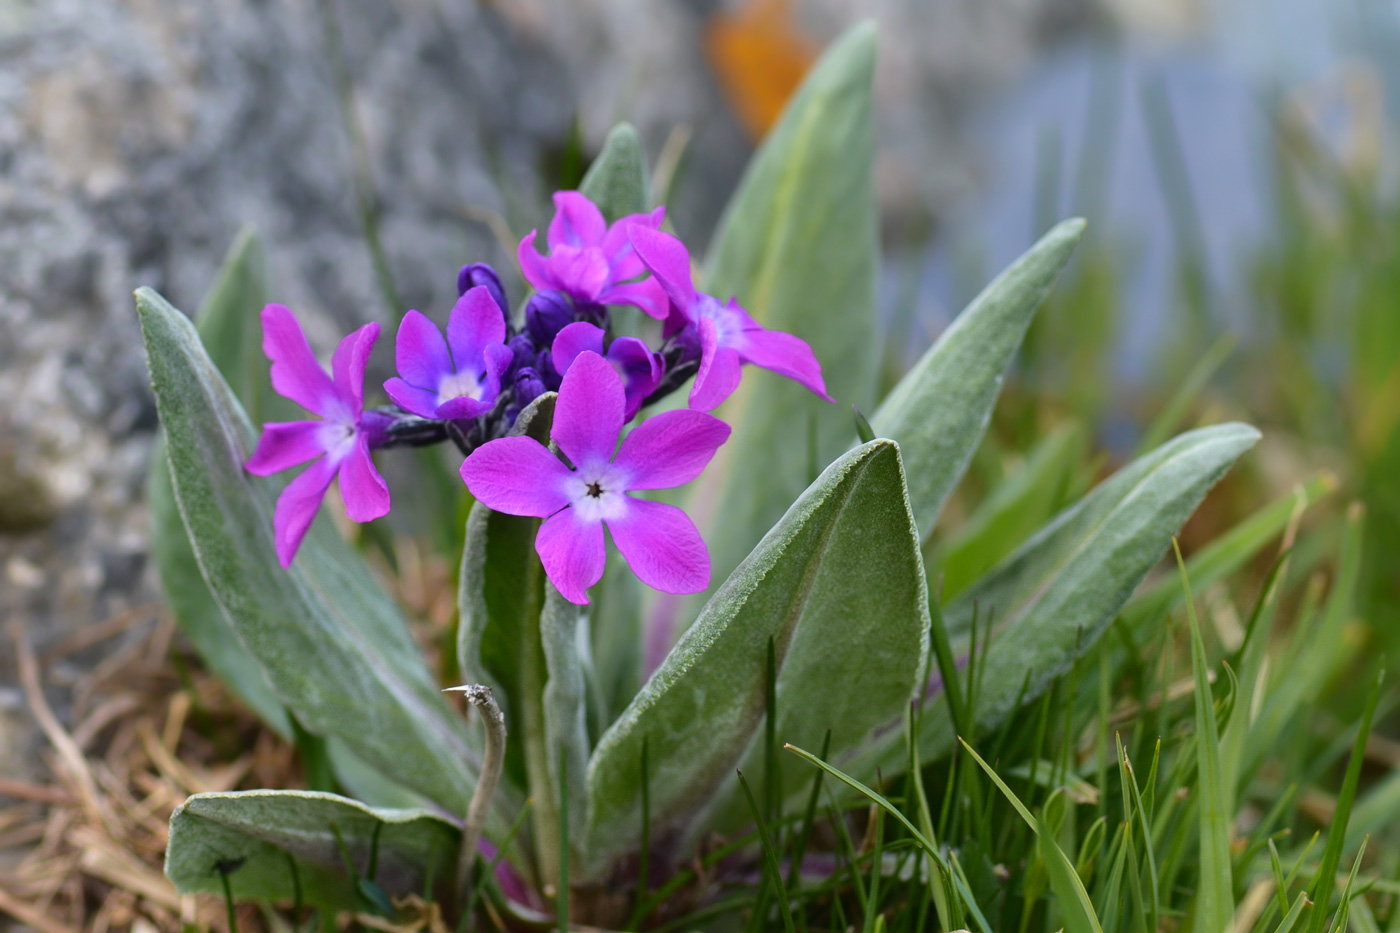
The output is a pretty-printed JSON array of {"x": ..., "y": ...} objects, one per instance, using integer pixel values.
[{"x": 760, "y": 57}]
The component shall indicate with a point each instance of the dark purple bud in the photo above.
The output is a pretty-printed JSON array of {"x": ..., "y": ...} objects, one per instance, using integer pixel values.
[
  {"x": 528, "y": 386},
  {"x": 523, "y": 349},
  {"x": 479, "y": 273},
  {"x": 546, "y": 314},
  {"x": 594, "y": 314},
  {"x": 544, "y": 365}
]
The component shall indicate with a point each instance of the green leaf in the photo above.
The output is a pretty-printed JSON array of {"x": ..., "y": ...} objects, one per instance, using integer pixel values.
[
  {"x": 1054, "y": 596},
  {"x": 499, "y": 597},
  {"x": 798, "y": 248},
  {"x": 1013, "y": 511},
  {"x": 228, "y": 322},
  {"x": 1215, "y": 900},
  {"x": 563, "y": 633},
  {"x": 332, "y": 644},
  {"x": 940, "y": 409},
  {"x": 1075, "y": 906},
  {"x": 259, "y": 835},
  {"x": 838, "y": 584},
  {"x": 616, "y": 181}
]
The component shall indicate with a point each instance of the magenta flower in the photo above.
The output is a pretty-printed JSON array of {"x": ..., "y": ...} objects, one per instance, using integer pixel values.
[
  {"x": 640, "y": 368},
  {"x": 519, "y": 476},
  {"x": 728, "y": 337},
  {"x": 339, "y": 444},
  {"x": 590, "y": 261},
  {"x": 456, "y": 378}
]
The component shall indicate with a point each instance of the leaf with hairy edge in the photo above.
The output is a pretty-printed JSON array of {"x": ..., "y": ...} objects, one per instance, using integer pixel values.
[
  {"x": 838, "y": 585},
  {"x": 617, "y": 179},
  {"x": 1056, "y": 594},
  {"x": 940, "y": 409},
  {"x": 228, "y": 323},
  {"x": 331, "y": 642},
  {"x": 798, "y": 247},
  {"x": 259, "y": 835}
]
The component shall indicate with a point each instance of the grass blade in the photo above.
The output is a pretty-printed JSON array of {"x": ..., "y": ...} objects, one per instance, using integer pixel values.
[
  {"x": 1215, "y": 900},
  {"x": 775, "y": 871}
]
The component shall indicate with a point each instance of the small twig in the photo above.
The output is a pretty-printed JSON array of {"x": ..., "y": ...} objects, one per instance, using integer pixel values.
[
  {"x": 62, "y": 742},
  {"x": 493, "y": 762}
]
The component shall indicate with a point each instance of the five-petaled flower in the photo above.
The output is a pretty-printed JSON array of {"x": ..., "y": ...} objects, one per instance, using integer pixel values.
[
  {"x": 457, "y": 378},
  {"x": 590, "y": 261},
  {"x": 519, "y": 476},
  {"x": 726, "y": 335},
  {"x": 339, "y": 444}
]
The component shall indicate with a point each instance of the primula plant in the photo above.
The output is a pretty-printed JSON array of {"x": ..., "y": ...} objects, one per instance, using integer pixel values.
[{"x": 773, "y": 577}]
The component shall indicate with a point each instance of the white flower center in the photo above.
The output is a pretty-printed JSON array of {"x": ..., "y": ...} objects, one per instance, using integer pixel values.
[
  {"x": 337, "y": 438},
  {"x": 459, "y": 385},
  {"x": 596, "y": 494}
]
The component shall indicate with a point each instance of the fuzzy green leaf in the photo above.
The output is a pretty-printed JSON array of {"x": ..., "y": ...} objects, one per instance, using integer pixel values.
[
  {"x": 838, "y": 585},
  {"x": 617, "y": 181},
  {"x": 940, "y": 409},
  {"x": 798, "y": 247},
  {"x": 332, "y": 644},
  {"x": 259, "y": 835},
  {"x": 1055, "y": 595},
  {"x": 228, "y": 323}
]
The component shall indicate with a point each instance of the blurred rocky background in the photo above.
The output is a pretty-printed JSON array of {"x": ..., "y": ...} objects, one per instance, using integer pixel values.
[{"x": 137, "y": 137}]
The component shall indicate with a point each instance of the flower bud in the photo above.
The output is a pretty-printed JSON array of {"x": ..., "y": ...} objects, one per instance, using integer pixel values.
[
  {"x": 528, "y": 386},
  {"x": 479, "y": 273},
  {"x": 547, "y": 313}
]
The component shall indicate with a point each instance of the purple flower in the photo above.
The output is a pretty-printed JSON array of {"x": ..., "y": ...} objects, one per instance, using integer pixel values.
[
  {"x": 590, "y": 261},
  {"x": 519, "y": 476},
  {"x": 640, "y": 368},
  {"x": 727, "y": 336},
  {"x": 456, "y": 378},
  {"x": 339, "y": 444},
  {"x": 480, "y": 273}
]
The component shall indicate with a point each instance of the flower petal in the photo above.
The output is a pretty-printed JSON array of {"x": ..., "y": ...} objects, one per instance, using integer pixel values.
[
  {"x": 572, "y": 553},
  {"x": 297, "y": 507},
  {"x": 577, "y": 221},
  {"x": 576, "y": 338},
  {"x": 518, "y": 476},
  {"x": 588, "y": 414},
  {"x": 648, "y": 294},
  {"x": 365, "y": 493},
  {"x": 532, "y": 264},
  {"x": 719, "y": 373},
  {"x": 670, "y": 449},
  {"x": 476, "y": 321},
  {"x": 785, "y": 355},
  {"x": 622, "y": 259},
  {"x": 295, "y": 373},
  {"x": 668, "y": 260},
  {"x": 420, "y": 352},
  {"x": 641, "y": 371},
  {"x": 662, "y": 546},
  {"x": 420, "y": 402},
  {"x": 348, "y": 365},
  {"x": 464, "y": 408},
  {"x": 285, "y": 444}
]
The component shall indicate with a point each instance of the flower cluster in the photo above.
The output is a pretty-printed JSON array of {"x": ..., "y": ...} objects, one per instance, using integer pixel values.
[{"x": 469, "y": 383}]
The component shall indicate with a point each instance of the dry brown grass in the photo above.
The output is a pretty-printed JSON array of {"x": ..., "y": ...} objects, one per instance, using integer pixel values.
[{"x": 85, "y": 850}]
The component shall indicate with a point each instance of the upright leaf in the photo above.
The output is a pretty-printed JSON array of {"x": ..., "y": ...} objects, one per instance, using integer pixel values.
[
  {"x": 838, "y": 585},
  {"x": 276, "y": 845},
  {"x": 1054, "y": 596},
  {"x": 798, "y": 247},
  {"x": 330, "y": 641},
  {"x": 617, "y": 179},
  {"x": 228, "y": 323},
  {"x": 941, "y": 407}
]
